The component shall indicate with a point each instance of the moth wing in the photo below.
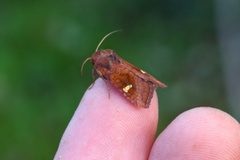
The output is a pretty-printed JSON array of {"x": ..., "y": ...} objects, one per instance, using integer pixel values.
[
  {"x": 142, "y": 74},
  {"x": 134, "y": 88}
]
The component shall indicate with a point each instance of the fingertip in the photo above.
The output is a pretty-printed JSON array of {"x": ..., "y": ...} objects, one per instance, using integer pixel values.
[
  {"x": 104, "y": 126},
  {"x": 203, "y": 132}
]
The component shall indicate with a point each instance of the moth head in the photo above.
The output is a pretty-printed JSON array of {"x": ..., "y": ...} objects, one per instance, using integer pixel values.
[
  {"x": 102, "y": 55},
  {"x": 105, "y": 56},
  {"x": 104, "y": 59}
]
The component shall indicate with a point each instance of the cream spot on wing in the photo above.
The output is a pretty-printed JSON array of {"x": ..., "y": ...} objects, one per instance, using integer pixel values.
[
  {"x": 126, "y": 89},
  {"x": 143, "y": 71}
]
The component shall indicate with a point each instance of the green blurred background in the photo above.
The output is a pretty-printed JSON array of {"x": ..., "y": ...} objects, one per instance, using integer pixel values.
[{"x": 192, "y": 46}]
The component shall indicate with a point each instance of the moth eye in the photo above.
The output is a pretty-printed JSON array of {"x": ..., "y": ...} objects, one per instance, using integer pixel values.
[
  {"x": 93, "y": 60},
  {"x": 107, "y": 66}
]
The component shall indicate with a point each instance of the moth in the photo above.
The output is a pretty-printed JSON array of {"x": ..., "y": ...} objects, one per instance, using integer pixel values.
[{"x": 135, "y": 84}]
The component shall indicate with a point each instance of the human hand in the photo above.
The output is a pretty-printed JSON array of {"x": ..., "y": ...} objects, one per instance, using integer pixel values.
[{"x": 106, "y": 128}]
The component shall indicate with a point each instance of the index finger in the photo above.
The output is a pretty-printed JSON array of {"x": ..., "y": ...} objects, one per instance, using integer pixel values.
[{"x": 106, "y": 127}]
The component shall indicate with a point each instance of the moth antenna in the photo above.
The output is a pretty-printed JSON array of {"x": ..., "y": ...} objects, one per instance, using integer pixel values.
[
  {"x": 89, "y": 58},
  {"x": 106, "y": 37}
]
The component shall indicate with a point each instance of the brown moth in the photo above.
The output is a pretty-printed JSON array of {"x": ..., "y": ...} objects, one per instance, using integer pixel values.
[{"x": 135, "y": 84}]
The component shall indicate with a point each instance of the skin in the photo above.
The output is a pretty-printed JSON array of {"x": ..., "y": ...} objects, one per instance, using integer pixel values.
[{"x": 112, "y": 128}]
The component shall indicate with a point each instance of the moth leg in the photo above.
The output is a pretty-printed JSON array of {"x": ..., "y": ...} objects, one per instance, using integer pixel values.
[
  {"x": 108, "y": 88},
  {"x": 94, "y": 74}
]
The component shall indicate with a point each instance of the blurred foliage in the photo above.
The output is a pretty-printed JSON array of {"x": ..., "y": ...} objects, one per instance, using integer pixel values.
[{"x": 43, "y": 44}]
